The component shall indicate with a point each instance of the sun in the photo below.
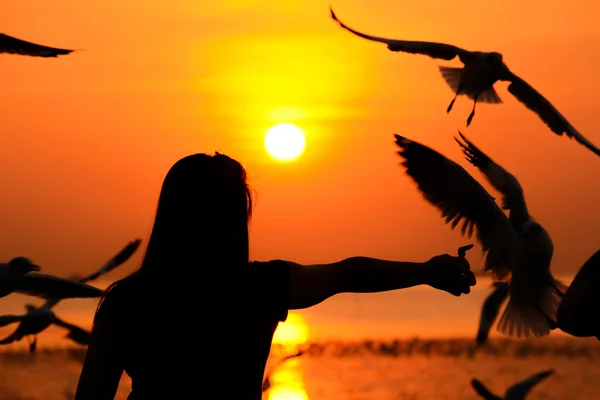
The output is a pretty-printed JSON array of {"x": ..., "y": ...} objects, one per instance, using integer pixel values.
[{"x": 285, "y": 142}]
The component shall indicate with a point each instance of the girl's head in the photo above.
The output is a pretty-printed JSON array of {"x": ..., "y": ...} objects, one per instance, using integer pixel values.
[{"x": 202, "y": 215}]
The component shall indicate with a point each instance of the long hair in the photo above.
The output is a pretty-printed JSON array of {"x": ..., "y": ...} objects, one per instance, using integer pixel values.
[{"x": 201, "y": 220}]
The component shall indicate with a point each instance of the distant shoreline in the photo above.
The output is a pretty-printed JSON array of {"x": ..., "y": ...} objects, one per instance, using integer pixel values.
[{"x": 569, "y": 347}]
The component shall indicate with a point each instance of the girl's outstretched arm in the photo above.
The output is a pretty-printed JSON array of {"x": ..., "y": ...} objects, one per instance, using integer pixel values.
[{"x": 311, "y": 284}]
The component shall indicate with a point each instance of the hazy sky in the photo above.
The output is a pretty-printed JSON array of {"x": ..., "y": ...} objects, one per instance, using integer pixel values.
[{"x": 86, "y": 139}]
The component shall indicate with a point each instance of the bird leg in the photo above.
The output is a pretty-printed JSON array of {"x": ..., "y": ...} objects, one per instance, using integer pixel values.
[
  {"x": 32, "y": 344},
  {"x": 472, "y": 111},
  {"x": 454, "y": 99}
]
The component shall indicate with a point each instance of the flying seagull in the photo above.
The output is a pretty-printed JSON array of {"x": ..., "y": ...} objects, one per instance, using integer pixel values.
[
  {"x": 517, "y": 391},
  {"x": 37, "y": 319},
  {"x": 477, "y": 78},
  {"x": 267, "y": 381},
  {"x": 517, "y": 247},
  {"x": 490, "y": 310},
  {"x": 113, "y": 263},
  {"x": 12, "y": 45},
  {"x": 17, "y": 276},
  {"x": 579, "y": 311}
]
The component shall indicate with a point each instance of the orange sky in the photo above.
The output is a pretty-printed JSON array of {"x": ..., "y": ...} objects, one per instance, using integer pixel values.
[{"x": 87, "y": 138}]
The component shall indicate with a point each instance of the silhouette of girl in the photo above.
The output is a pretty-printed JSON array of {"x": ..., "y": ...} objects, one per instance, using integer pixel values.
[{"x": 197, "y": 316}]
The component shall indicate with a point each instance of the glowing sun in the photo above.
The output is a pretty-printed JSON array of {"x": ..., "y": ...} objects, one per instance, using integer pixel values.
[{"x": 285, "y": 142}]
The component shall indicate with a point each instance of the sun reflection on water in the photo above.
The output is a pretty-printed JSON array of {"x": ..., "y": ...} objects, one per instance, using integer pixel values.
[
  {"x": 294, "y": 331},
  {"x": 287, "y": 383},
  {"x": 287, "y": 393}
]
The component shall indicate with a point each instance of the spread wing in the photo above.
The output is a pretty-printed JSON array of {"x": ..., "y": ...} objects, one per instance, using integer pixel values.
[
  {"x": 13, "y": 337},
  {"x": 431, "y": 49},
  {"x": 10, "y": 319},
  {"x": 578, "y": 309},
  {"x": 114, "y": 262},
  {"x": 76, "y": 334},
  {"x": 53, "y": 287},
  {"x": 537, "y": 103},
  {"x": 450, "y": 188},
  {"x": 483, "y": 391},
  {"x": 117, "y": 260},
  {"x": 520, "y": 390},
  {"x": 490, "y": 309},
  {"x": 11, "y": 45},
  {"x": 506, "y": 183}
]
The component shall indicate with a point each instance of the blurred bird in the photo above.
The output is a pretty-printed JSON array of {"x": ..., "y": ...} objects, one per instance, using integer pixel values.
[
  {"x": 267, "y": 381},
  {"x": 17, "y": 276},
  {"x": 37, "y": 319},
  {"x": 114, "y": 262},
  {"x": 518, "y": 391},
  {"x": 579, "y": 311},
  {"x": 11, "y": 45},
  {"x": 490, "y": 310},
  {"x": 477, "y": 78},
  {"x": 517, "y": 247}
]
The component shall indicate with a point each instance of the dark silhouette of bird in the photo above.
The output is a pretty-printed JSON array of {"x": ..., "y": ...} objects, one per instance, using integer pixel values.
[
  {"x": 12, "y": 45},
  {"x": 579, "y": 311},
  {"x": 516, "y": 247},
  {"x": 37, "y": 319},
  {"x": 17, "y": 276},
  {"x": 518, "y": 391},
  {"x": 477, "y": 77},
  {"x": 267, "y": 381},
  {"x": 490, "y": 310}
]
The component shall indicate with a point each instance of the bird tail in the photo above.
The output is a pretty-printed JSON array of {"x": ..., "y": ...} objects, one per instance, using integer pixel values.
[
  {"x": 452, "y": 76},
  {"x": 489, "y": 96},
  {"x": 536, "y": 319}
]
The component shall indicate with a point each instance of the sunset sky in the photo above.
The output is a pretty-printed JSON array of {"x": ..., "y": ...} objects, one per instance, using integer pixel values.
[{"x": 86, "y": 139}]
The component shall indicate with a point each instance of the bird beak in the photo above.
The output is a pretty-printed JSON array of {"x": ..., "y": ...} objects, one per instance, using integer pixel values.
[{"x": 34, "y": 267}]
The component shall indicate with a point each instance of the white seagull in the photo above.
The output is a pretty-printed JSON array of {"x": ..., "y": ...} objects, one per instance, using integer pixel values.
[
  {"x": 17, "y": 276},
  {"x": 477, "y": 78},
  {"x": 579, "y": 311},
  {"x": 37, "y": 319},
  {"x": 12, "y": 45},
  {"x": 517, "y": 247},
  {"x": 518, "y": 391},
  {"x": 490, "y": 310}
]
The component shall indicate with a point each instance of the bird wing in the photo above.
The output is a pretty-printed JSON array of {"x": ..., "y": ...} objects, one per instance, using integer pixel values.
[
  {"x": 490, "y": 309},
  {"x": 506, "y": 183},
  {"x": 117, "y": 260},
  {"x": 520, "y": 389},
  {"x": 76, "y": 334},
  {"x": 537, "y": 103},
  {"x": 483, "y": 391},
  {"x": 450, "y": 188},
  {"x": 114, "y": 262},
  {"x": 11, "y": 45},
  {"x": 13, "y": 337},
  {"x": 54, "y": 287},
  {"x": 576, "y": 311},
  {"x": 10, "y": 319},
  {"x": 431, "y": 49}
]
